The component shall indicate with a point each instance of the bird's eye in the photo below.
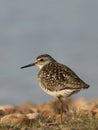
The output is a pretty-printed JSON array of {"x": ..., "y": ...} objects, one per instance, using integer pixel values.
[{"x": 41, "y": 59}]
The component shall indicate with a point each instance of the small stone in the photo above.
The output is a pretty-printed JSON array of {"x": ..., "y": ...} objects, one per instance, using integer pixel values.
[
  {"x": 14, "y": 119},
  {"x": 32, "y": 116},
  {"x": 7, "y": 109}
]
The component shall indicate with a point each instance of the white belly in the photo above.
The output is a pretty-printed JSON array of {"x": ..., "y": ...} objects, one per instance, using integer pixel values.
[{"x": 63, "y": 93}]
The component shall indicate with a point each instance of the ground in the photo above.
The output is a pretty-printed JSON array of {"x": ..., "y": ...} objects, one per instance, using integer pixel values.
[{"x": 77, "y": 115}]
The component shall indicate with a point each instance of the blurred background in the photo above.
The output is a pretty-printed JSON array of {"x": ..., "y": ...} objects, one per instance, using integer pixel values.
[{"x": 67, "y": 30}]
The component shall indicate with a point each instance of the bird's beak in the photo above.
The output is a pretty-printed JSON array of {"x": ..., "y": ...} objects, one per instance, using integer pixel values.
[{"x": 29, "y": 65}]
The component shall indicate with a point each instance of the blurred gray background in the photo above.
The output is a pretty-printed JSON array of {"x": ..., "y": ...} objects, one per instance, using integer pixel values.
[{"x": 65, "y": 29}]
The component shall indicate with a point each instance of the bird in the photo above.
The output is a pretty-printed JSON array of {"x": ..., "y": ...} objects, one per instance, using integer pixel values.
[{"x": 57, "y": 79}]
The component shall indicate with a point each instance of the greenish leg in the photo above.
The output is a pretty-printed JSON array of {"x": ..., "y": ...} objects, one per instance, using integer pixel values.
[{"x": 61, "y": 110}]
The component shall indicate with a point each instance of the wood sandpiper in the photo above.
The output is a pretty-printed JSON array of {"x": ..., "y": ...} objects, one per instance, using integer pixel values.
[{"x": 57, "y": 79}]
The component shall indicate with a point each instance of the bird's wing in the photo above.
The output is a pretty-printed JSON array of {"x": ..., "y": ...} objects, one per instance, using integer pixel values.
[{"x": 70, "y": 79}]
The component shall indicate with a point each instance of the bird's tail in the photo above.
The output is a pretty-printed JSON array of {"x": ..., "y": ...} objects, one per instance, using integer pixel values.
[{"x": 86, "y": 86}]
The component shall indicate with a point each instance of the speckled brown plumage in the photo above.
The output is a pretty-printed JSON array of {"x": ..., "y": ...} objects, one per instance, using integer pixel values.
[{"x": 57, "y": 77}]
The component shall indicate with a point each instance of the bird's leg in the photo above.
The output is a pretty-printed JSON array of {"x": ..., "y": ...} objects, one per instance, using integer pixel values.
[{"x": 61, "y": 109}]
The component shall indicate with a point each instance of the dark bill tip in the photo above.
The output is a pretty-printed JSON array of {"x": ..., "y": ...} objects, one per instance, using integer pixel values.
[{"x": 27, "y": 66}]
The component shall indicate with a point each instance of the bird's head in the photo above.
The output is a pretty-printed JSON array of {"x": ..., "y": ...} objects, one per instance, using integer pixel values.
[{"x": 40, "y": 61}]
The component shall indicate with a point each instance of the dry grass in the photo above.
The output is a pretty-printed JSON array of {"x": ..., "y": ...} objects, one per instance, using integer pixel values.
[{"x": 81, "y": 116}]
